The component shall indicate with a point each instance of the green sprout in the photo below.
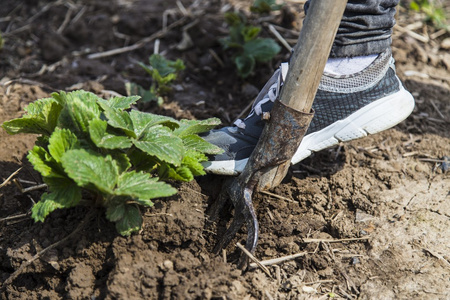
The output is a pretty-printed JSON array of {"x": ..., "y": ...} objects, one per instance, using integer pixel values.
[
  {"x": 163, "y": 73},
  {"x": 247, "y": 47}
]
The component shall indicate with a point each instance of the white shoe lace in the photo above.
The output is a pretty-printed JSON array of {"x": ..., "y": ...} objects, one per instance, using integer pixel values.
[{"x": 272, "y": 95}]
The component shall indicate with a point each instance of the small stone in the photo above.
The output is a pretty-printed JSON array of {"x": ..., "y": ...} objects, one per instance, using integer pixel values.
[
  {"x": 168, "y": 264},
  {"x": 445, "y": 44},
  {"x": 355, "y": 261}
]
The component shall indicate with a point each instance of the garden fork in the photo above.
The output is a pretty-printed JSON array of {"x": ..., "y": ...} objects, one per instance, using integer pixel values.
[{"x": 289, "y": 120}]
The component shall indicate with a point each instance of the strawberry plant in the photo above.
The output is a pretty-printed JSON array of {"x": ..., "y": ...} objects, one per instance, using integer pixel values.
[
  {"x": 121, "y": 157},
  {"x": 163, "y": 72},
  {"x": 248, "y": 48},
  {"x": 265, "y": 6}
]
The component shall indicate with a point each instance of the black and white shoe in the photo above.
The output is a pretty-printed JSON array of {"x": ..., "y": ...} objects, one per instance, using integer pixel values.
[{"x": 346, "y": 108}]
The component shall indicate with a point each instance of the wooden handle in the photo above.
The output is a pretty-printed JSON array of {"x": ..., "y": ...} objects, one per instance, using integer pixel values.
[
  {"x": 306, "y": 68},
  {"x": 311, "y": 53}
]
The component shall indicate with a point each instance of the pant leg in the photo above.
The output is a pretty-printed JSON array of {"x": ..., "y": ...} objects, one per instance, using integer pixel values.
[{"x": 365, "y": 29}]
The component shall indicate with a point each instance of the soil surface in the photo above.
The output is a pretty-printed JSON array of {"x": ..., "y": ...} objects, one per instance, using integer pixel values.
[{"x": 369, "y": 219}]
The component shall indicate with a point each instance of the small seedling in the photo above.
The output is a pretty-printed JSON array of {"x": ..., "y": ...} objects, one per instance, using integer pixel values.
[
  {"x": 1, "y": 41},
  {"x": 247, "y": 47},
  {"x": 121, "y": 157},
  {"x": 163, "y": 73},
  {"x": 435, "y": 13},
  {"x": 265, "y": 6}
]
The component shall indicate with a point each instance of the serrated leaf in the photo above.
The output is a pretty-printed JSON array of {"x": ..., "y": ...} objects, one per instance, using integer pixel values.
[
  {"x": 99, "y": 134},
  {"x": 244, "y": 64},
  {"x": 44, "y": 207},
  {"x": 43, "y": 163},
  {"x": 40, "y": 118},
  {"x": 135, "y": 89},
  {"x": 165, "y": 66},
  {"x": 141, "y": 187},
  {"x": 61, "y": 141},
  {"x": 250, "y": 32},
  {"x": 121, "y": 102},
  {"x": 122, "y": 160},
  {"x": 261, "y": 49},
  {"x": 142, "y": 121},
  {"x": 159, "y": 142},
  {"x": 118, "y": 119},
  {"x": 64, "y": 191},
  {"x": 197, "y": 143},
  {"x": 116, "y": 209},
  {"x": 194, "y": 165},
  {"x": 189, "y": 127},
  {"x": 80, "y": 108},
  {"x": 131, "y": 221},
  {"x": 182, "y": 173},
  {"x": 89, "y": 169}
]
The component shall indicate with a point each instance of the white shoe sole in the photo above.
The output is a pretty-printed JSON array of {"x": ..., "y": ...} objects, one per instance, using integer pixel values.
[{"x": 373, "y": 118}]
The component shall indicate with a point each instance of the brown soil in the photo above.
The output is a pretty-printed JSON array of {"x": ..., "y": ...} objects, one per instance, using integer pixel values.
[{"x": 391, "y": 188}]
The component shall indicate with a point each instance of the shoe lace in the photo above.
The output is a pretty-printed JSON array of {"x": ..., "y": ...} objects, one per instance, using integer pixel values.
[{"x": 272, "y": 95}]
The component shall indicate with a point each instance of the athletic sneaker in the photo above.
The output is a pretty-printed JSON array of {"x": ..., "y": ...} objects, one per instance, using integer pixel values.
[{"x": 346, "y": 108}]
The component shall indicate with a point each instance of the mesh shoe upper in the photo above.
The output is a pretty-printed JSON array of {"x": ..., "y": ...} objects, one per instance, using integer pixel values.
[{"x": 337, "y": 98}]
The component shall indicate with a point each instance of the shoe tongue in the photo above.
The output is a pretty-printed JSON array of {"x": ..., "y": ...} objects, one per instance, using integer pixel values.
[{"x": 284, "y": 70}]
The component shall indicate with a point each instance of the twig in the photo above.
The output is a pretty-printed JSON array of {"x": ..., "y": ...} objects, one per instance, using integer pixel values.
[
  {"x": 437, "y": 109},
  {"x": 9, "y": 178},
  {"x": 318, "y": 281},
  {"x": 252, "y": 257},
  {"x": 278, "y": 260},
  {"x": 138, "y": 44},
  {"x": 38, "y": 255},
  {"x": 34, "y": 17},
  {"x": 33, "y": 188},
  {"x": 277, "y": 196},
  {"x": 65, "y": 21},
  {"x": 216, "y": 57},
  {"x": 15, "y": 217},
  {"x": 438, "y": 256},
  {"x": 334, "y": 241},
  {"x": 432, "y": 160},
  {"x": 412, "y": 34},
  {"x": 280, "y": 38}
]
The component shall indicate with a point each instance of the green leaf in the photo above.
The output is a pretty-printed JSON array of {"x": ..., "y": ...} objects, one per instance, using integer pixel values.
[
  {"x": 43, "y": 162},
  {"x": 105, "y": 139},
  {"x": 182, "y": 173},
  {"x": 116, "y": 209},
  {"x": 40, "y": 118},
  {"x": 64, "y": 191},
  {"x": 165, "y": 66},
  {"x": 135, "y": 89},
  {"x": 159, "y": 142},
  {"x": 131, "y": 221},
  {"x": 44, "y": 207},
  {"x": 189, "y": 127},
  {"x": 197, "y": 143},
  {"x": 121, "y": 102},
  {"x": 244, "y": 64},
  {"x": 250, "y": 32},
  {"x": 122, "y": 160},
  {"x": 192, "y": 160},
  {"x": 142, "y": 121},
  {"x": 118, "y": 118},
  {"x": 233, "y": 18},
  {"x": 90, "y": 169},
  {"x": 141, "y": 187},
  {"x": 81, "y": 107},
  {"x": 61, "y": 141},
  {"x": 261, "y": 49}
]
